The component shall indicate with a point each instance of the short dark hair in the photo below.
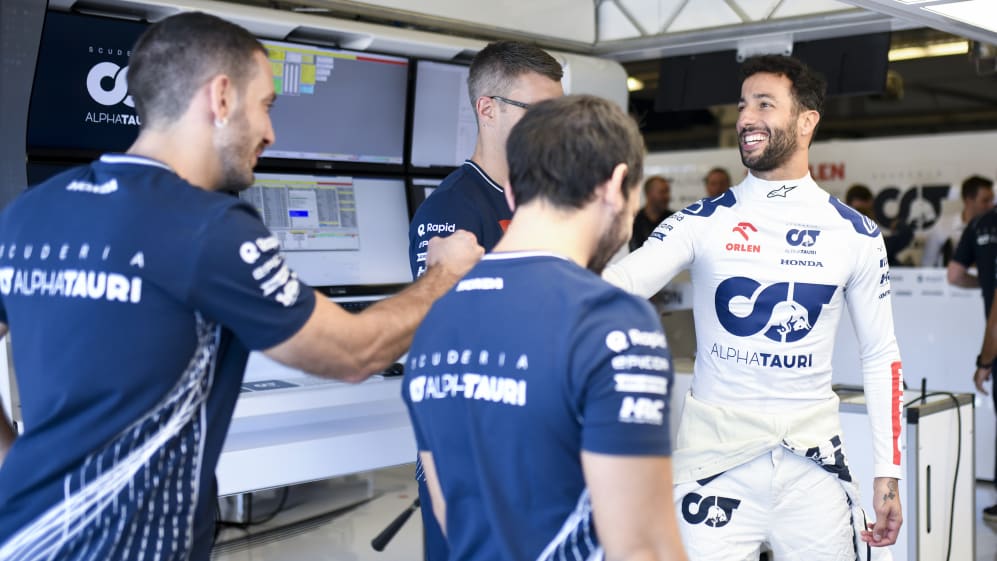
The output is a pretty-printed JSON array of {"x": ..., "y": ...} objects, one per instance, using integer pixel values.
[
  {"x": 857, "y": 192},
  {"x": 176, "y": 56},
  {"x": 563, "y": 148},
  {"x": 973, "y": 184},
  {"x": 717, "y": 169},
  {"x": 808, "y": 86},
  {"x": 652, "y": 179},
  {"x": 498, "y": 64}
]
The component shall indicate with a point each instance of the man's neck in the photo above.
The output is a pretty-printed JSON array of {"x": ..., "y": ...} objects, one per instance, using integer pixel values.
[
  {"x": 492, "y": 161},
  {"x": 795, "y": 167},
  {"x": 540, "y": 227},
  {"x": 185, "y": 159}
]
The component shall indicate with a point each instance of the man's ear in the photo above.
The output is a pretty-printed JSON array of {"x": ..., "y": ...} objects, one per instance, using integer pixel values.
[
  {"x": 221, "y": 98},
  {"x": 510, "y": 197},
  {"x": 806, "y": 123},
  {"x": 485, "y": 108},
  {"x": 612, "y": 189}
]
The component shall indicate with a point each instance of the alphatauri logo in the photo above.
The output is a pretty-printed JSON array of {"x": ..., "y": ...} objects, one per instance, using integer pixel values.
[
  {"x": 107, "y": 84},
  {"x": 715, "y": 512}
]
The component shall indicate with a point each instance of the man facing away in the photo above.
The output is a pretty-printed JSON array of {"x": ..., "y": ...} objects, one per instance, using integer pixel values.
[
  {"x": 538, "y": 392},
  {"x": 657, "y": 197},
  {"x": 135, "y": 289},
  {"x": 504, "y": 80},
  {"x": 977, "y": 198},
  {"x": 759, "y": 457}
]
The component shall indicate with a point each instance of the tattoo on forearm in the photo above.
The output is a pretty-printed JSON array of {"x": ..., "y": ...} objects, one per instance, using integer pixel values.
[{"x": 892, "y": 485}]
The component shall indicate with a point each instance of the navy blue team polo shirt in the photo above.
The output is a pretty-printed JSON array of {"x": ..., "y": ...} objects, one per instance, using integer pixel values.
[
  {"x": 133, "y": 299},
  {"x": 527, "y": 361},
  {"x": 466, "y": 200}
]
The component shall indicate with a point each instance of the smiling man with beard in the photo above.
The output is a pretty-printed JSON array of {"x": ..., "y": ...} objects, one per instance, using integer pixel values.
[
  {"x": 538, "y": 392},
  {"x": 759, "y": 460}
]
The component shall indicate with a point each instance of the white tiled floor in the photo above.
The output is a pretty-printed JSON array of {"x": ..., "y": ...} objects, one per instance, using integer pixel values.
[{"x": 347, "y": 536}]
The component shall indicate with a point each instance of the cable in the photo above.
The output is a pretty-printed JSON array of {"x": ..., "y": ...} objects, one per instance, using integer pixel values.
[{"x": 958, "y": 453}]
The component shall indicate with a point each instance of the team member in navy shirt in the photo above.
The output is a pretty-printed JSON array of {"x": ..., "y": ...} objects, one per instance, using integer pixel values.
[
  {"x": 135, "y": 290},
  {"x": 504, "y": 79},
  {"x": 538, "y": 392}
]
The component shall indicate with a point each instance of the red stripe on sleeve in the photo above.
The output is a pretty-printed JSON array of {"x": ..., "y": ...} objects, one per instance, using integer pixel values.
[{"x": 897, "y": 407}]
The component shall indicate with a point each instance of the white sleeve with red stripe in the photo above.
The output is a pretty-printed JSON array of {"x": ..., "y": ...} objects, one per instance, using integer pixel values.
[{"x": 868, "y": 298}]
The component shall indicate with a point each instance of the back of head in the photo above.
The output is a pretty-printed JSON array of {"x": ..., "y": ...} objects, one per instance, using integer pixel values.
[
  {"x": 808, "y": 87},
  {"x": 178, "y": 55},
  {"x": 972, "y": 185},
  {"x": 563, "y": 148},
  {"x": 857, "y": 192},
  {"x": 495, "y": 67}
]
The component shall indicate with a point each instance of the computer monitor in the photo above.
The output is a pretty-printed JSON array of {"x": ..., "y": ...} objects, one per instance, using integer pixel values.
[
  {"x": 335, "y": 109},
  {"x": 444, "y": 129},
  {"x": 80, "y": 105},
  {"x": 345, "y": 235},
  {"x": 420, "y": 188}
]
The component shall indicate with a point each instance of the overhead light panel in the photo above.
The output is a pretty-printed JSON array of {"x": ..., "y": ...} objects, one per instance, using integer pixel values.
[
  {"x": 926, "y": 51},
  {"x": 634, "y": 84},
  {"x": 978, "y": 13}
]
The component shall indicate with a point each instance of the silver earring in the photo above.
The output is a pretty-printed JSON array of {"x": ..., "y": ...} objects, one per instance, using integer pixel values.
[{"x": 220, "y": 123}]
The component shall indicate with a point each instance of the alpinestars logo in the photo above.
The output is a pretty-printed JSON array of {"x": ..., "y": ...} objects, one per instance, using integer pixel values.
[
  {"x": 715, "y": 512},
  {"x": 785, "y": 312}
]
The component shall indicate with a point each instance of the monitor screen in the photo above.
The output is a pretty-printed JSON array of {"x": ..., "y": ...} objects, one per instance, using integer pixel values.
[
  {"x": 344, "y": 234},
  {"x": 337, "y": 106},
  {"x": 80, "y": 105},
  {"x": 420, "y": 188},
  {"x": 444, "y": 129}
]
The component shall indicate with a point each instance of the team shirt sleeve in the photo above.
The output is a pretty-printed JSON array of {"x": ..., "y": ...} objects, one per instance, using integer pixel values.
[
  {"x": 441, "y": 214},
  {"x": 622, "y": 375},
  {"x": 240, "y": 280},
  {"x": 868, "y": 298},
  {"x": 668, "y": 250}
]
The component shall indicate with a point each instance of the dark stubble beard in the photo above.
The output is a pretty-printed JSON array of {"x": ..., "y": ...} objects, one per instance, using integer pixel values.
[
  {"x": 781, "y": 145},
  {"x": 610, "y": 243},
  {"x": 237, "y": 176}
]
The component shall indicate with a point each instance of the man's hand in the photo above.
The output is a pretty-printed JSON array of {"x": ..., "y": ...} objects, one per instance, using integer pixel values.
[
  {"x": 889, "y": 515},
  {"x": 457, "y": 252},
  {"x": 981, "y": 375}
]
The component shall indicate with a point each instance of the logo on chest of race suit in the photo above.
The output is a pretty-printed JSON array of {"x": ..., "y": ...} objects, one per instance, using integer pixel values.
[
  {"x": 715, "y": 512},
  {"x": 802, "y": 238},
  {"x": 784, "y": 312}
]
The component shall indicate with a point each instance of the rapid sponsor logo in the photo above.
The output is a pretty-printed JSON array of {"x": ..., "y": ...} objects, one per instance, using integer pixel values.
[
  {"x": 767, "y": 360},
  {"x": 715, "y": 512},
  {"x": 477, "y": 387},
  {"x": 616, "y": 341},
  {"x": 446, "y": 228},
  {"x": 642, "y": 410},
  {"x": 784, "y": 312}
]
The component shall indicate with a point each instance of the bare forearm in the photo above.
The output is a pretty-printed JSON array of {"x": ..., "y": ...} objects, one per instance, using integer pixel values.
[{"x": 7, "y": 434}]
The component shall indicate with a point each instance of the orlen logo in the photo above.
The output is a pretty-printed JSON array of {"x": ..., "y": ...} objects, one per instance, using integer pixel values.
[
  {"x": 805, "y": 238},
  {"x": 117, "y": 77},
  {"x": 716, "y": 512},
  {"x": 785, "y": 312},
  {"x": 743, "y": 228}
]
